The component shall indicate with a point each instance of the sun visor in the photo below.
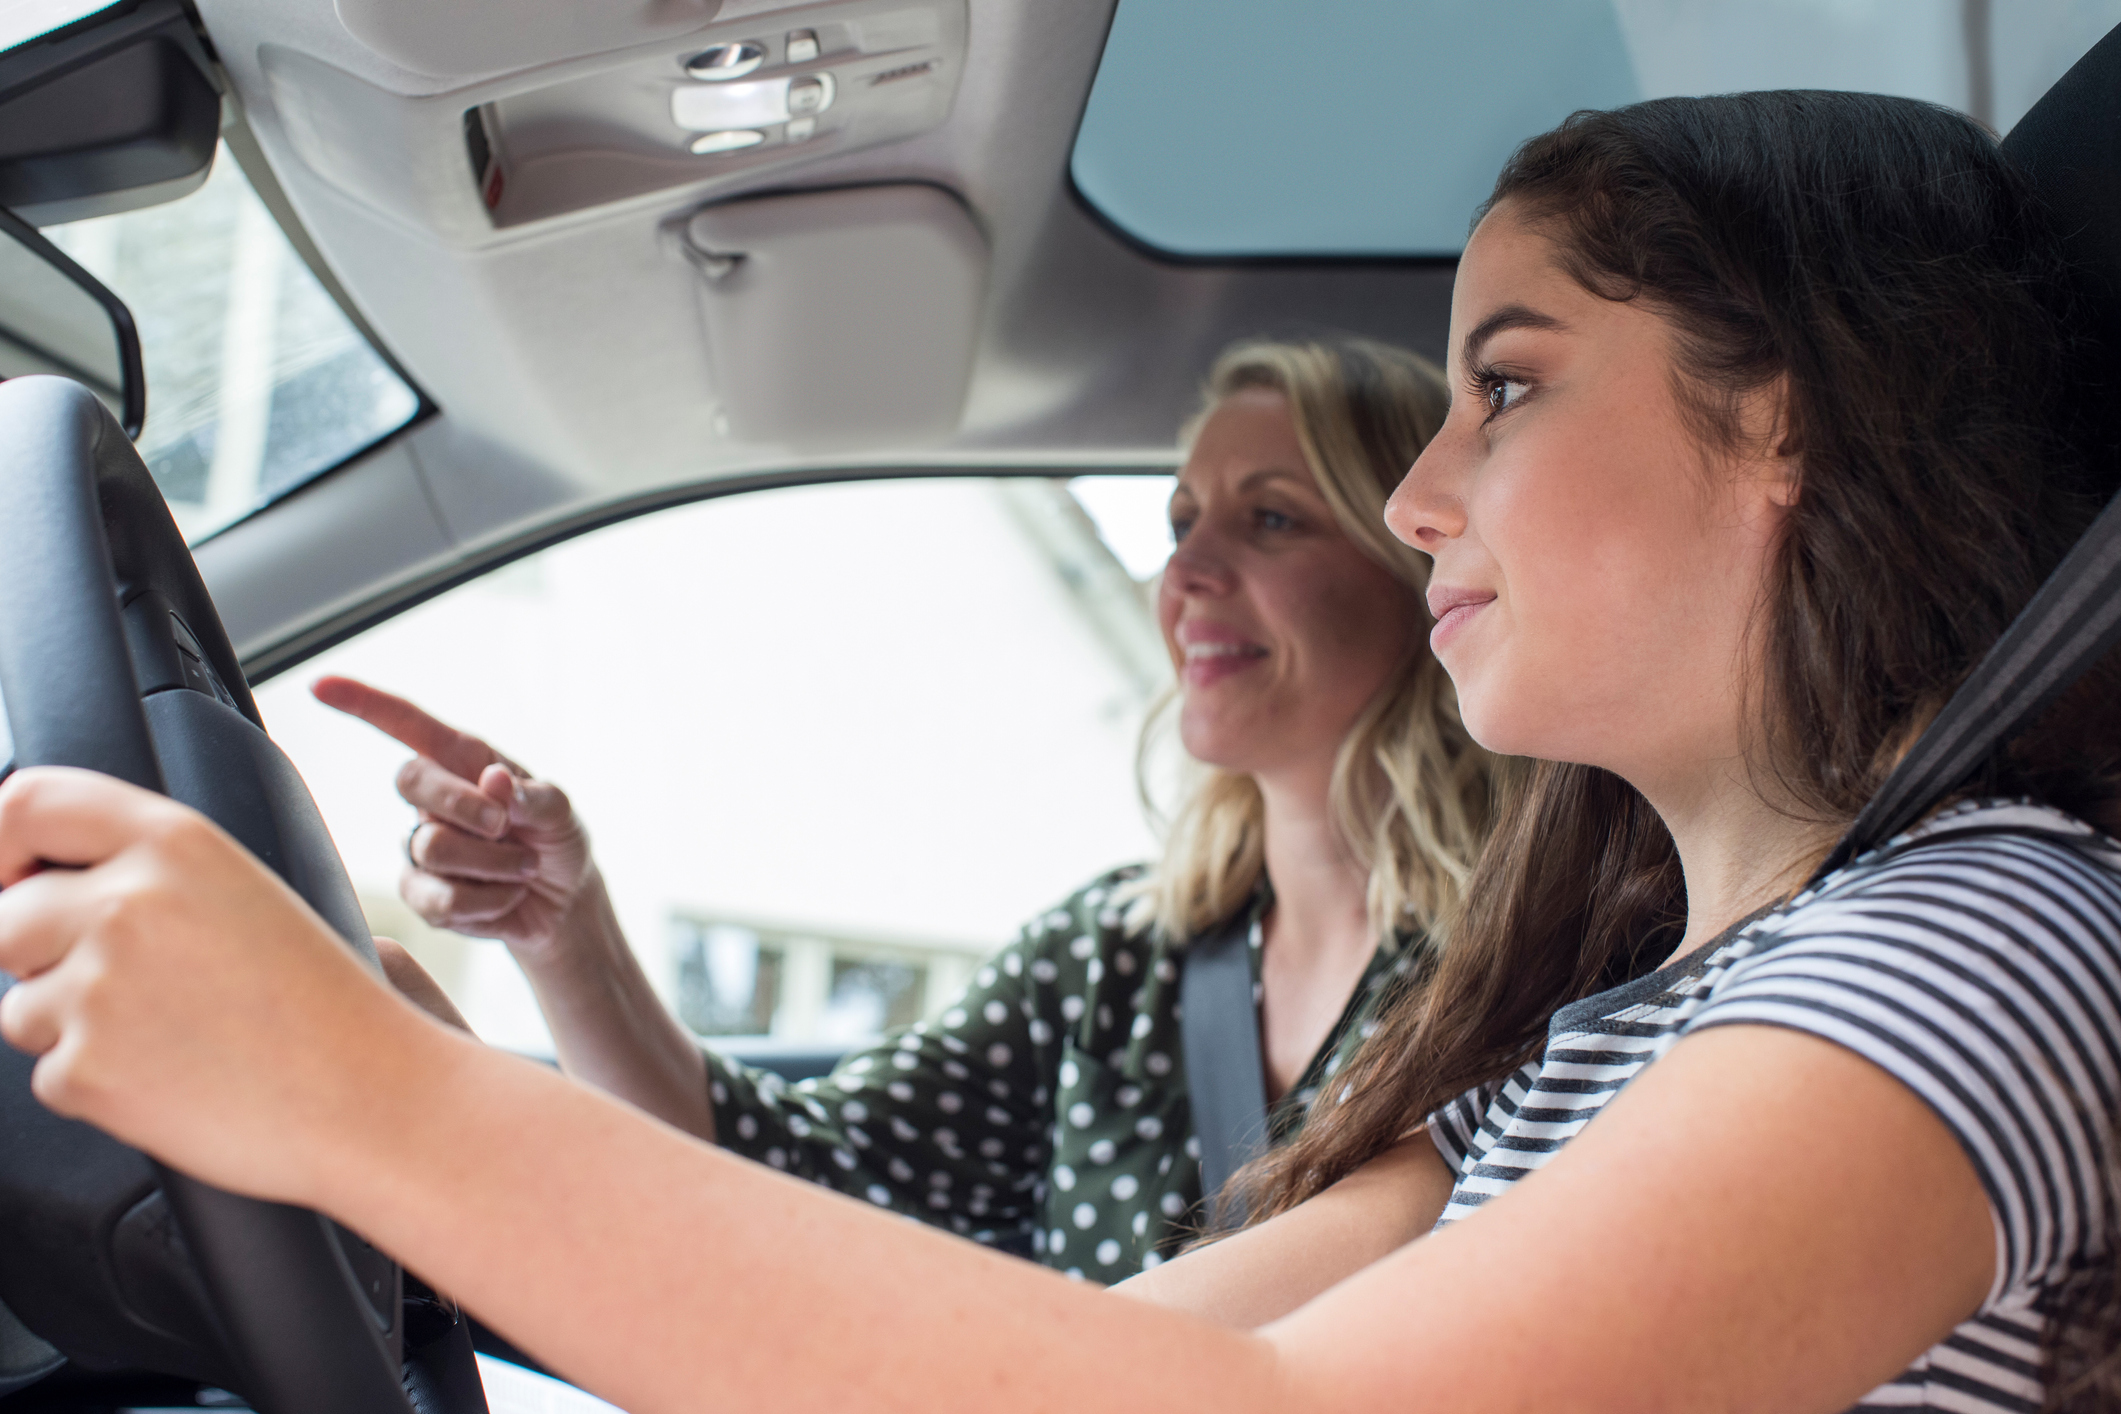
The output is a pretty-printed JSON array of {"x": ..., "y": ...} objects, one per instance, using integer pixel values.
[{"x": 841, "y": 317}]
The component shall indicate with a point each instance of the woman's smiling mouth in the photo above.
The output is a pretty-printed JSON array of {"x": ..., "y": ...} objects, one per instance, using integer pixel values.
[
  {"x": 1452, "y": 608},
  {"x": 1212, "y": 652}
]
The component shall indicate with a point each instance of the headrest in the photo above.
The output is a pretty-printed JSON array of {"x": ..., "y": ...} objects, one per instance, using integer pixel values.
[{"x": 2070, "y": 145}]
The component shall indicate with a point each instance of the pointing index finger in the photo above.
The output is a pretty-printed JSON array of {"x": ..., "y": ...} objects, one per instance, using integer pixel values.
[{"x": 460, "y": 752}]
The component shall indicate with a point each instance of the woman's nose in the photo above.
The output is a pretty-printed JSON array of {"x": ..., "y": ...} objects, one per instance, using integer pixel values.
[
  {"x": 1197, "y": 565},
  {"x": 1426, "y": 509}
]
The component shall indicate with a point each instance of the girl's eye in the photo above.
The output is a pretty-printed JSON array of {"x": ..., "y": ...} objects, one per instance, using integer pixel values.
[
  {"x": 1179, "y": 526},
  {"x": 1275, "y": 520},
  {"x": 1502, "y": 393}
]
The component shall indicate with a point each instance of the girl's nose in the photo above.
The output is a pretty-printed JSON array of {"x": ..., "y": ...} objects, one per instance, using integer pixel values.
[{"x": 1425, "y": 510}]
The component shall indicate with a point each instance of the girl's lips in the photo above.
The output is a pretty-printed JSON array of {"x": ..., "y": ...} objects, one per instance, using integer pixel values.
[{"x": 1452, "y": 617}]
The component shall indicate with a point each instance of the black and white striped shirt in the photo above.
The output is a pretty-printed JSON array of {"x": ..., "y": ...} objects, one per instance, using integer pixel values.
[{"x": 1977, "y": 959}]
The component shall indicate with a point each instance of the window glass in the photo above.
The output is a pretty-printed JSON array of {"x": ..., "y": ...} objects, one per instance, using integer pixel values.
[
  {"x": 1375, "y": 127},
  {"x": 256, "y": 379},
  {"x": 834, "y": 744}
]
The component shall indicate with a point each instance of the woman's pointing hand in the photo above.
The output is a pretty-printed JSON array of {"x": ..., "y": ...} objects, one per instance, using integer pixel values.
[{"x": 498, "y": 853}]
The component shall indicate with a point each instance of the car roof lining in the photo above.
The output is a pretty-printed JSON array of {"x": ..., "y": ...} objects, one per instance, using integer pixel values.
[
  {"x": 569, "y": 358},
  {"x": 1068, "y": 304}
]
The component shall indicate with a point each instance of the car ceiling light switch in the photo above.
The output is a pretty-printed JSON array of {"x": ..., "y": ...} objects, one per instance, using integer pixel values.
[
  {"x": 737, "y": 141},
  {"x": 551, "y": 144},
  {"x": 810, "y": 94},
  {"x": 726, "y": 61},
  {"x": 715, "y": 107}
]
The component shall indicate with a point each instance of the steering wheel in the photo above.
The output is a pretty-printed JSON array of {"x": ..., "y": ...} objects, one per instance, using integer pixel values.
[{"x": 113, "y": 658}]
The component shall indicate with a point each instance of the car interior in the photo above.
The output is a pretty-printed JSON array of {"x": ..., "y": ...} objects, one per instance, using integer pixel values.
[{"x": 759, "y": 416}]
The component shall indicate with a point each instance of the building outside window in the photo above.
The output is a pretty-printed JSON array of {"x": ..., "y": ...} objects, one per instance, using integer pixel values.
[{"x": 753, "y": 979}]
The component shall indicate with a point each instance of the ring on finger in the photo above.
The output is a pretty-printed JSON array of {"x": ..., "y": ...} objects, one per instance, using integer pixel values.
[{"x": 414, "y": 834}]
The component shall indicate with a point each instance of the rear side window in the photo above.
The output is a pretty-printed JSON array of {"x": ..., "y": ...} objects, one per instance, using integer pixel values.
[{"x": 256, "y": 379}]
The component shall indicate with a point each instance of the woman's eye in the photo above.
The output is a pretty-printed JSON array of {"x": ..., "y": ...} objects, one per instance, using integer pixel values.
[{"x": 1179, "y": 526}]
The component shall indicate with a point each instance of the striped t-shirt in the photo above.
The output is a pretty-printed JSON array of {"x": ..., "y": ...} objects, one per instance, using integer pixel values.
[{"x": 1977, "y": 959}]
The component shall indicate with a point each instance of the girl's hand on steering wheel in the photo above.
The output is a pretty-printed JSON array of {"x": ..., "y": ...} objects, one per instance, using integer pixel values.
[
  {"x": 180, "y": 996},
  {"x": 497, "y": 853}
]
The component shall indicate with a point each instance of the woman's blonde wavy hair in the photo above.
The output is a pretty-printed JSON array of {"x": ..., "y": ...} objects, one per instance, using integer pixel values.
[{"x": 1410, "y": 790}]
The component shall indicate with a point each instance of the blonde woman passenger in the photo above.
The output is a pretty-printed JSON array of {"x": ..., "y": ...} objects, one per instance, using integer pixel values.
[{"x": 1332, "y": 823}]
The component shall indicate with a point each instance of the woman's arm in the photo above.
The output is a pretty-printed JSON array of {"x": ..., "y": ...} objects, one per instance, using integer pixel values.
[
  {"x": 1265, "y": 1272},
  {"x": 1762, "y": 1221},
  {"x": 500, "y": 854},
  {"x": 609, "y": 1027}
]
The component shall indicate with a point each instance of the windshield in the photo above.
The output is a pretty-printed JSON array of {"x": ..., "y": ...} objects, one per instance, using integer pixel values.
[
  {"x": 1376, "y": 127},
  {"x": 24, "y": 20},
  {"x": 256, "y": 379}
]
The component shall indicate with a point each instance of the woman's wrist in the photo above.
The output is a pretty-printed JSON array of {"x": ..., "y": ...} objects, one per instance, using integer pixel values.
[
  {"x": 581, "y": 945},
  {"x": 609, "y": 1027}
]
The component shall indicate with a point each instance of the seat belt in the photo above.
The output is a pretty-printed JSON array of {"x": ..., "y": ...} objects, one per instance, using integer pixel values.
[
  {"x": 1225, "y": 1078},
  {"x": 2070, "y": 624}
]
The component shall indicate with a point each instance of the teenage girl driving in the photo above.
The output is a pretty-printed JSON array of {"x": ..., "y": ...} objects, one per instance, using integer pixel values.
[{"x": 1756, "y": 443}]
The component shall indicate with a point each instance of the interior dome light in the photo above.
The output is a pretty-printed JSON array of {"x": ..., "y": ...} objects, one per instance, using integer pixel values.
[
  {"x": 727, "y": 141},
  {"x": 706, "y": 108}
]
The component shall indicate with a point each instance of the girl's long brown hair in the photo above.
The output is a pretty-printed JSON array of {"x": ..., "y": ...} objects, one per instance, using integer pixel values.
[{"x": 1874, "y": 263}]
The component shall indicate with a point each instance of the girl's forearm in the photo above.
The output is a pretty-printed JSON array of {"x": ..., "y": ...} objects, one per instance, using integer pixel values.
[{"x": 697, "y": 1280}]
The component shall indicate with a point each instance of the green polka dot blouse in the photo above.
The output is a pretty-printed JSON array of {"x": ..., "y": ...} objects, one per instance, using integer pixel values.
[{"x": 1045, "y": 1112}]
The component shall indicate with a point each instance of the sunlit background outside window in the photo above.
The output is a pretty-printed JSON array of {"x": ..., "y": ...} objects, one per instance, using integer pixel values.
[
  {"x": 834, "y": 744},
  {"x": 256, "y": 380}
]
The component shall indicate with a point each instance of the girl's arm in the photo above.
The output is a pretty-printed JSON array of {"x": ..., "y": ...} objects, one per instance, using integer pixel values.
[
  {"x": 1762, "y": 1221},
  {"x": 1758, "y": 1261}
]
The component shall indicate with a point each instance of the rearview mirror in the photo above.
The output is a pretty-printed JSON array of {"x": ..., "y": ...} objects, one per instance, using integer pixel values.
[{"x": 55, "y": 317}]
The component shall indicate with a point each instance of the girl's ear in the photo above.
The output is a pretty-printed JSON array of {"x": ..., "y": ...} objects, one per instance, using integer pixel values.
[
  {"x": 1780, "y": 464},
  {"x": 1786, "y": 469},
  {"x": 1784, "y": 474}
]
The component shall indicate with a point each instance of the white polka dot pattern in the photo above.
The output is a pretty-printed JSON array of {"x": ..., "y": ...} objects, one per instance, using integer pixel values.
[{"x": 1043, "y": 1112}]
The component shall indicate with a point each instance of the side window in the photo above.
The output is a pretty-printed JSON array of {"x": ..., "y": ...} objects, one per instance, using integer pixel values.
[
  {"x": 256, "y": 380},
  {"x": 833, "y": 744}
]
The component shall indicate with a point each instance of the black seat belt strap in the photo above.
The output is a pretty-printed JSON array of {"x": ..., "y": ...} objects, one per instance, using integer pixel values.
[
  {"x": 2070, "y": 624},
  {"x": 1225, "y": 1079}
]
